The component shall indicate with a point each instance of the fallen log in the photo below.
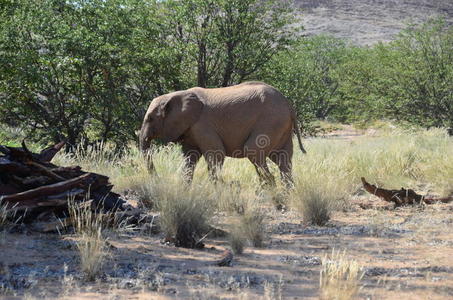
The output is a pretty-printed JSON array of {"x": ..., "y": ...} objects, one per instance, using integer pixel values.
[
  {"x": 13, "y": 167},
  {"x": 32, "y": 182},
  {"x": 403, "y": 196},
  {"x": 68, "y": 172},
  {"x": 48, "y": 154},
  {"x": 34, "y": 188},
  {"x": 48, "y": 190},
  {"x": 7, "y": 189},
  {"x": 43, "y": 170}
]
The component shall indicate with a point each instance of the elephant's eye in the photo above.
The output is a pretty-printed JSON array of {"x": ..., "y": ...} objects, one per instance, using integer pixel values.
[{"x": 150, "y": 119}]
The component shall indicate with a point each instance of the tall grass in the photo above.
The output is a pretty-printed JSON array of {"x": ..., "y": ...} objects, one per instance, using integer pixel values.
[
  {"x": 4, "y": 214},
  {"x": 185, "y": 211},
  {"x": 331, "y": 171},
  {"x": 8, "y": 216},
  {"x": 324, "y": 178},
  {"x": 339, "y": 277},
  {"x": 91, "y": 243}
]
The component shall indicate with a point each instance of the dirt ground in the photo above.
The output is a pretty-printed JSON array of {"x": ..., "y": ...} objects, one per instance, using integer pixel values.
[{"x": 405, "y": 253}]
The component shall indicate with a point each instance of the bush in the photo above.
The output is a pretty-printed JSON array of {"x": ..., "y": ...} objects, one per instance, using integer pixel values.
[
  {"x": 339, "y": 277},
  {"x": 237, "y": 239},
  {"x": 420, "y": 73},
  {"x": 68, "y": 72},
  {"x": 185, "y": 211},
  {"x": 305, "y": 75},
  {"x": 407, "y": 80},
  {"x": 252, "y": 226},
  {"x": 91, "y": 243}
]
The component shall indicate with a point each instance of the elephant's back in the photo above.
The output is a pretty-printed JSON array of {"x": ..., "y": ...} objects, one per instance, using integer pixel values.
[
  {"x": 250, "y": 92},
  {"x": 245, "y": 103},
  {"x": 239, "y": 111}
]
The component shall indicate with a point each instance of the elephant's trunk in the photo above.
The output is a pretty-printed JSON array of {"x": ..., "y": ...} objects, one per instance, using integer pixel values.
[{"x": 145, "y": 146}]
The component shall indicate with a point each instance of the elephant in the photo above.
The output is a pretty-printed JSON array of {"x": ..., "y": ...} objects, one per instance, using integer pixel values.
[{"x": 250, "y": 120}]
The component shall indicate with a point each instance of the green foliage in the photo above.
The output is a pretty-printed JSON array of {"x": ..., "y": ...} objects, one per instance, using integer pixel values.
[
  {"x": 421, "y": 75},
  {"x": 223, "y": 41},
  {"x": 80, "y": 69},
  {"x": 87, "y": 69},
  {"x": 408, "y": 80},
  {"x": 359, "y": 86},
  {"x": 305, "y": 74}
]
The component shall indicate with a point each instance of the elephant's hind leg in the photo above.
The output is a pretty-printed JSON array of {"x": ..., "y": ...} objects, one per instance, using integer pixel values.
[
  {"x": 256, "y": 150},
  {"x": 265, "y": 176},
  {"x": 283, "y": 159}
]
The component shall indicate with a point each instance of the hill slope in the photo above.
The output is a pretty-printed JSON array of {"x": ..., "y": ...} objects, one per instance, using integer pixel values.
[{"x": 366, "y": 22}]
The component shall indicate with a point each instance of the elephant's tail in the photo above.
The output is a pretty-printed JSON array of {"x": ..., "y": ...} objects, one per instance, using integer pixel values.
[{"x": 297, "y": 131}]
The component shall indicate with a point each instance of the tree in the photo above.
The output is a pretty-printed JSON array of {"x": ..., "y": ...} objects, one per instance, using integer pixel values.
[
  {"x": 86, "y": 70},
  {"x": 228, "y": 41},
  {"x": 305, "y": 74},
  {"x": 421, "y": 75},
  {"x": 82, "y": 69}
]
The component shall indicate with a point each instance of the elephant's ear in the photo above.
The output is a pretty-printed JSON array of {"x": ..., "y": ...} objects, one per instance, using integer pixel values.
[{"x": 179, "y": 113}]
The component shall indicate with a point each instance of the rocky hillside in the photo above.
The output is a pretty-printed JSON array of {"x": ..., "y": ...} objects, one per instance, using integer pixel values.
[{"x": 366, "y": 22}]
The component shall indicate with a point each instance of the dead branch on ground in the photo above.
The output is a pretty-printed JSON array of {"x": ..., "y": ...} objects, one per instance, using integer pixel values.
[{"x": 403, "y": 196}]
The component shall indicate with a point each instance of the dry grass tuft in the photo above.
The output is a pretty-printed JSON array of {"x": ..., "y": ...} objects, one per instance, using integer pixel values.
[
  {"x": 273, "y": 290},
  {"x": 8, "y": 217},
  {"x": 185, "y": 211},
  {"x": 4, "y": 215},
  {"x": 339, "y": 277},
  {"x": 316, "y": 208},
  {"x": 93, "y": 253},
  {"x": 237, "y": 239},
  {"x": 253, "y": 227},
  {"x": 84, "y": 219},
  {"x": 317, "y": 197},
  {"x": 91, "y": 243}
]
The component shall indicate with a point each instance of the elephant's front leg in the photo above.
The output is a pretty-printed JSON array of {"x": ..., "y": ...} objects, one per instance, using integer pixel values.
[
  {"x": 211, "y": 146},
  {"x": 191, "y": 157},
  {"x": 214, "y": 159}
]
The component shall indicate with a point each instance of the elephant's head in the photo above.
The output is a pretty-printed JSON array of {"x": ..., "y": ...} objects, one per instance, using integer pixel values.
[{"x": 168, "y": 117}]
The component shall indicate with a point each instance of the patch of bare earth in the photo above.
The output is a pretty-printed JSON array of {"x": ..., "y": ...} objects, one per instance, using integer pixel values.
[{"x": 405, "y": 252}]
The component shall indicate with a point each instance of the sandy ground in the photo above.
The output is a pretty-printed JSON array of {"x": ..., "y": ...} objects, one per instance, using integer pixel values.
[{"x": 405, "y": 253}]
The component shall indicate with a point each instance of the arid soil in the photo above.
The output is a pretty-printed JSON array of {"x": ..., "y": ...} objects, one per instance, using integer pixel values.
[
  {"x": 404, "y": 253},
  {"x": 366, "y": 22}
]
